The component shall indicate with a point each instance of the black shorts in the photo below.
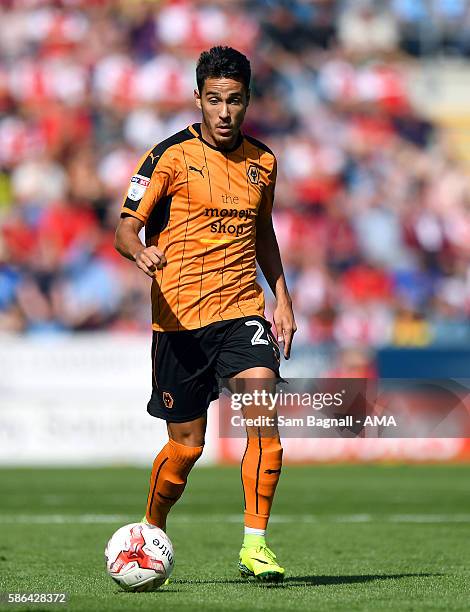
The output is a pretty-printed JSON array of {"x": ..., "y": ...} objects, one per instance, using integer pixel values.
[{"x": 187, "y": 365}]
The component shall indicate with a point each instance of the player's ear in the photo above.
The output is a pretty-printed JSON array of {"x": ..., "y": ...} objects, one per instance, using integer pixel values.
[
  {"x": 248, "y": 94},
  {"x": 197, "y": 97}
]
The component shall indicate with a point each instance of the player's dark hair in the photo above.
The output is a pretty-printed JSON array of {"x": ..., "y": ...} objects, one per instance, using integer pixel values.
[{"x": 223, "y": 62}]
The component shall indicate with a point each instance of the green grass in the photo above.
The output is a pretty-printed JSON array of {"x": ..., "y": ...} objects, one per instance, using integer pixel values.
[{"x": 365, "y": 538}]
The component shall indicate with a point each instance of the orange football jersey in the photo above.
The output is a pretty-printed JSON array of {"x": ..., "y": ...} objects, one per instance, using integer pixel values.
[{"x": 200, "y": 205}]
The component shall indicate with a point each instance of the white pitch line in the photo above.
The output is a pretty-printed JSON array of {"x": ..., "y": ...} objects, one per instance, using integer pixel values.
[
  {"x": 91, "y": 519},
  {"x": 59, "y": 519},
  {"x": 429, "y": 518}
]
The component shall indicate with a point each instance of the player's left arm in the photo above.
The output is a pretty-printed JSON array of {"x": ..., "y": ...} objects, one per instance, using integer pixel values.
[{"x": 269, "y": 260}]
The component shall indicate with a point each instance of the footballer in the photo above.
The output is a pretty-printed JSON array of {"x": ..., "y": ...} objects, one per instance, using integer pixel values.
[{"x": 205, "y": 198}]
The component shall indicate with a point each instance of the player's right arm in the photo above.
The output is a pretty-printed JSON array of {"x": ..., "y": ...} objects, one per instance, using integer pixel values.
[
  {"x": 151, "y": 182},
  {"x": 127, "y": 242}
]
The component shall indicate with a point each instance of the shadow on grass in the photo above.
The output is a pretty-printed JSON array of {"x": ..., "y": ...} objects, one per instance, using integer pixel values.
[
  {"x": 301, "y": 581},
  {"x": 327, "y": 580},
  {"x": 215, "y": 581}
]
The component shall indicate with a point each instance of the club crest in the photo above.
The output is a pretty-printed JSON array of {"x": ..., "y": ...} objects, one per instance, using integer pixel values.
[{"x": 253, "y": 174}]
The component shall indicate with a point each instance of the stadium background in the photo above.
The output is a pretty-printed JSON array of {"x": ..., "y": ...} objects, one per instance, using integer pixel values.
[{"x": 364, "y": 104}]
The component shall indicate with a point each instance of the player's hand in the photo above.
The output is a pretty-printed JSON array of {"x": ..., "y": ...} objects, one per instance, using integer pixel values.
[
  {"x": 284, "y": 322},
  {"x": 150, "y": 259}
]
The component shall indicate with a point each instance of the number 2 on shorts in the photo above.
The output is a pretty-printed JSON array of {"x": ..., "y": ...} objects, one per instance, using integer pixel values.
[{"x": 258, "y": 333}]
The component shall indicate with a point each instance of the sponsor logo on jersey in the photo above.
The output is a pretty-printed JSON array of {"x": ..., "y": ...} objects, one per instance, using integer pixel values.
[
  {"x": 201, "y": 171},
  {"x": 138, "y": 187}
]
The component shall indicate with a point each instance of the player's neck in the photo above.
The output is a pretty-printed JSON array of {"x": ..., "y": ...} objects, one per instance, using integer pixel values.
[{"x": 209, "y": 139}]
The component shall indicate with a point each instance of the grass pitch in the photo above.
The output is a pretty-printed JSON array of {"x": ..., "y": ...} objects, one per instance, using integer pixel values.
[{"x": 365, "y": 538}]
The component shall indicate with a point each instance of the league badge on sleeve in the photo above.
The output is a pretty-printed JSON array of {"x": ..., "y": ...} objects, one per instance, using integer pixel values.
[{"x": 138, "y": 187}]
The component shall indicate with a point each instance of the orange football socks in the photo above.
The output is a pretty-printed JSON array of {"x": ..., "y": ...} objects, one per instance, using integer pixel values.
[
  {"x": 261, "y": 468},
  {"x": 168, "y": 479}
]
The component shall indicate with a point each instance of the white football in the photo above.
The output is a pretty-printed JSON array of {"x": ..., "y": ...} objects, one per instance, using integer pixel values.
[{"x": 139, "y": 557}]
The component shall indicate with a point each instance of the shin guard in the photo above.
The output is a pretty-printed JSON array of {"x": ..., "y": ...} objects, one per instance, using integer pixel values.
[
  {"x": 168, "y": 479},
  {"x": 261, "y": 468}
]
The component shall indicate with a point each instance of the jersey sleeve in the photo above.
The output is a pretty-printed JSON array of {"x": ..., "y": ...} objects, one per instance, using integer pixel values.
[
  {"x": 152, "y": 181},
  {"x": 267, "y": 198}
]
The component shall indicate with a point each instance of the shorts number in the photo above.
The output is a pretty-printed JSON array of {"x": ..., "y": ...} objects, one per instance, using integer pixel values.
[{"x": 258, "y": 333}]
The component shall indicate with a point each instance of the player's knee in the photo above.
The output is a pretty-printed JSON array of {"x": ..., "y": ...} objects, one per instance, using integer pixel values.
[
  {"x": 188, "y": 434},
  {"x": 189, "y": 438}
]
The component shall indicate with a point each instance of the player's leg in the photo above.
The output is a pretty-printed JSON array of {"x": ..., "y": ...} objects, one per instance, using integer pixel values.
[
  {"x": 171, "y": 468},
  {"x": 182, "y": 391},
  {"x": 262, "y": 460},
  {"x": 249, "y": 357},
  {"x": 260, "y": 471}
]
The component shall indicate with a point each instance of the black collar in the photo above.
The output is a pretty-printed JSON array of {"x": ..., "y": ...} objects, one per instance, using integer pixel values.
[{"x": 197, "y": 128}]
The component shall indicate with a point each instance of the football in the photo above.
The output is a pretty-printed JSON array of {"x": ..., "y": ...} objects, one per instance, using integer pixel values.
[{"x": 139, "y": 557}]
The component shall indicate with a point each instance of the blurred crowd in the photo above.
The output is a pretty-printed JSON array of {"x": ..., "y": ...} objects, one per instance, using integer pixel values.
[{"x": 372, "y": 208}]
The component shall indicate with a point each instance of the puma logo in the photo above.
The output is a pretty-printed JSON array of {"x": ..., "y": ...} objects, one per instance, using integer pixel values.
[
  {"x": 154, "y": 157},
  {"x": 272, "y": 471},
  {"x": 201, "y": 171}
]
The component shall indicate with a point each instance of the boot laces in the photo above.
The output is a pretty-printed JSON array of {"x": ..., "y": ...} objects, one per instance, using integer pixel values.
[{"x": 267, "y": 552}]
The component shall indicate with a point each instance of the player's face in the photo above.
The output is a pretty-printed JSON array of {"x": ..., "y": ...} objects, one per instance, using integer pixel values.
[{"x": 223, "y": 103}]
